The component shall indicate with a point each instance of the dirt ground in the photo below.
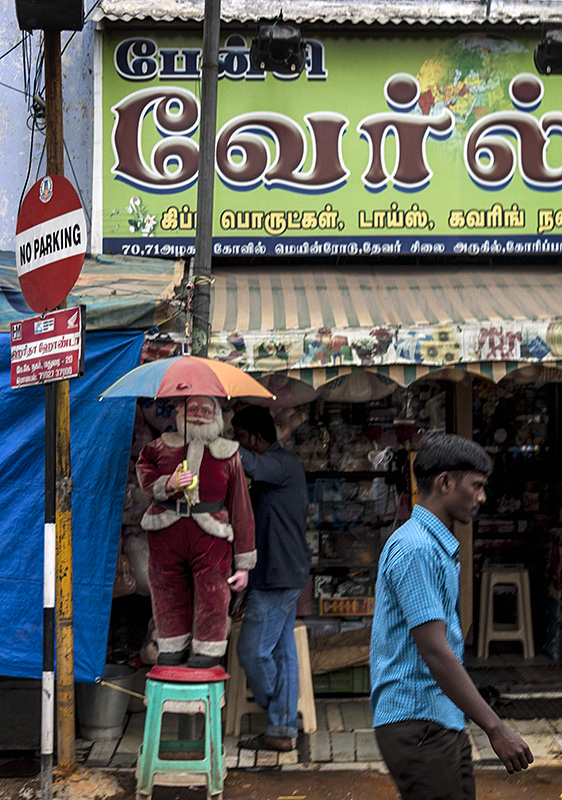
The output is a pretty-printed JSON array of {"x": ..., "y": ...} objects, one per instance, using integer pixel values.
[{"x": 537, "y": 783}]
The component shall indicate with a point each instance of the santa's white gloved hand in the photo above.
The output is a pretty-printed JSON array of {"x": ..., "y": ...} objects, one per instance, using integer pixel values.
[
  {"x": 239, "y": 580},
  {"x": 179, "y": 480}
]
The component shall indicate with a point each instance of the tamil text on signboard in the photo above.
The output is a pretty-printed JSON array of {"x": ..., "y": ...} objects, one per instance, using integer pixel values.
[
  {"x": 387, "y": 144},
  {"x": 46, "y": 349}
]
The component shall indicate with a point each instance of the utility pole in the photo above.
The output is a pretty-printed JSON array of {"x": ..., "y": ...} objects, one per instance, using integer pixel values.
[
  {"x": 57, "y": 406},
  {"x": 206, "y": 180}
]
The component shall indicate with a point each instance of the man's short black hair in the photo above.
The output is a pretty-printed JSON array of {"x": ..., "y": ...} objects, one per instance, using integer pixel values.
[
  {"x": 447, "y": 452},
  {"x": 256, "y": 419}
]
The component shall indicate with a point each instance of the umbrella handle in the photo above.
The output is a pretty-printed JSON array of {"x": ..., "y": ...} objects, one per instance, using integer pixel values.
[{"x": 193, "y": 484}]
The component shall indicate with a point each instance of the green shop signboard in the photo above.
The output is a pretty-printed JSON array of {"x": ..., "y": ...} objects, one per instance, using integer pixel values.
[{"x": 385, "y": 144}]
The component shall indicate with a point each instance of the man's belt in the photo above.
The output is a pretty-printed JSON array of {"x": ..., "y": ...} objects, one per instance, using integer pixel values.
[{"x": 184, "y": 509}]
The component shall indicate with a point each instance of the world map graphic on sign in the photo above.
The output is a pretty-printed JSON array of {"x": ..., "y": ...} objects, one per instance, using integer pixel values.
[{"x": 470, "y": 76}]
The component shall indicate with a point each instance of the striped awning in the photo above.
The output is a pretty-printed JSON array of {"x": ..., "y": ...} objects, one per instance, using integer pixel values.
[
  {"x": 403, "y": 323},
  {"x": 405, "y": 374},
  {"x": 291, "y": 299}
]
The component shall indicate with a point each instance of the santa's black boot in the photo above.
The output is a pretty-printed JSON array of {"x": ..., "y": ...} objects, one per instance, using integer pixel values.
[
  {"x": 171, "y": 659},
  {"x": 197, "y": 661}
]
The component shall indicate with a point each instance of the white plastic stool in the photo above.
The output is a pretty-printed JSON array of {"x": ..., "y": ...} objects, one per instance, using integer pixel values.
[
  {"x": 522, "y": 629},
  {"x": 239, "y": 698}
]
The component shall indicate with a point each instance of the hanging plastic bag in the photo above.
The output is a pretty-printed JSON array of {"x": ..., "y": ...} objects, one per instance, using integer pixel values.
[{"x": 383, "y": 495}]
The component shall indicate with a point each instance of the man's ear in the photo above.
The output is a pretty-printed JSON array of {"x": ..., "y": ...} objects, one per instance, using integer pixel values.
[
  {"x": 260, "y": 443},
  {"x": 443, "y": 482}
]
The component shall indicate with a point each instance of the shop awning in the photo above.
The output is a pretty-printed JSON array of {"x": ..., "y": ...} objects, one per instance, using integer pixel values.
[
  {"x": 355, "y": 11},
  {"x": 405, "y": 374},
  {"x": 119, "y": 292},
  {"x": 400, "y": 322}
]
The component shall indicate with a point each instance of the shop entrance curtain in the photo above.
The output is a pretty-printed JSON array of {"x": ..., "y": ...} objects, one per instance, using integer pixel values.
[{"x": 100, "y": 444}]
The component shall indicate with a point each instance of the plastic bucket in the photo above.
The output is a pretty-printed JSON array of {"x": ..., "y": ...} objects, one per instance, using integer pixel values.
[{"x": 101, "y": 709}]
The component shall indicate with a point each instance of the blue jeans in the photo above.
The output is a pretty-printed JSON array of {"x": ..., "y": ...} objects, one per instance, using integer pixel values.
[{"x": 268, "y": 654}]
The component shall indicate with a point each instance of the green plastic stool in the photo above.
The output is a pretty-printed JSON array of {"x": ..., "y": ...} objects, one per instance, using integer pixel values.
[{"x": 181, "y": 690}]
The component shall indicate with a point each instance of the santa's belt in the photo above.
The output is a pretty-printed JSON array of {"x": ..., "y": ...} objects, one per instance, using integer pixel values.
[{"x": 183, "y": 508}]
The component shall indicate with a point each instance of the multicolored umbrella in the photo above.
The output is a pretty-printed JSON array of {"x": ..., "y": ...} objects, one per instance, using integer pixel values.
[{"x": 185, "y": 376}]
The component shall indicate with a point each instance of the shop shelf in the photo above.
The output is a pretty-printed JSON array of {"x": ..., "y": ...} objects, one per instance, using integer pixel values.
[
  {"x": 350, "y": 475},
  {"x": 351, "y": 680}
]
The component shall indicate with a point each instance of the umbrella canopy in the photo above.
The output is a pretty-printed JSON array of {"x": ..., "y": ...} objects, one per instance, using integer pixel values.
[
  {"x": 185, "y": 376},
  {"x": 357, "y": 387},
  {"x": 287, "y": 392}
]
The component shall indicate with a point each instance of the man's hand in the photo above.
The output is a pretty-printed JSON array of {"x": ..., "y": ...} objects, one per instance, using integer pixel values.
[
  {"x": 239, "y": 580},
  {"x": 179, "y": 479},
  {"x": 451, "y": 676},
  {"x": 510, "y": 748}
]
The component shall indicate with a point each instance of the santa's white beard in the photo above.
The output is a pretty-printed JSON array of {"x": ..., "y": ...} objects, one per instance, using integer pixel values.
[{"x": 205, "y": 433}]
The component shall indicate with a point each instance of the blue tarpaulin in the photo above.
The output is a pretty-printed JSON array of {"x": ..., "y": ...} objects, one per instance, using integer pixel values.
[{"x": 100, "y": 443}]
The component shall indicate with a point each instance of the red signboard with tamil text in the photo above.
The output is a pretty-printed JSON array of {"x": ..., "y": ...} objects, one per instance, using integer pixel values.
[{"x": 48, "y": 348}]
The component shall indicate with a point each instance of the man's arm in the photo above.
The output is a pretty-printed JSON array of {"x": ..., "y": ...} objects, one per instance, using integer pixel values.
[
  {"x": 265, "y": 467},
  {"x": 451, "y": 676}
]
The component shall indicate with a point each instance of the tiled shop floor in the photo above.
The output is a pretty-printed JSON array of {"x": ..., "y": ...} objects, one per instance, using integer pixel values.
[
  {"x": 344, "y": 739},
  {"x": 527, "y": 694}
]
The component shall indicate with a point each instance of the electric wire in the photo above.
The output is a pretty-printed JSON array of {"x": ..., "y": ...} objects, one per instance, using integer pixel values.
[
  {"x": 29, "y": 163},
  {"x": 21, "y": 41},
  {"x": 77, "y": 184},
  {"x": 31, "y": 78},
  {"x": 34, "y": 91},
  {"x": 14, "y": 89},
  {"x": 73, "y": 34},
  {"x": 40, "y": 160}
]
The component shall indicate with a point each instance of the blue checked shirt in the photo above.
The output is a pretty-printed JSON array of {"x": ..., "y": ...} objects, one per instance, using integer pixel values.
[{"x": 418, "y": 581}]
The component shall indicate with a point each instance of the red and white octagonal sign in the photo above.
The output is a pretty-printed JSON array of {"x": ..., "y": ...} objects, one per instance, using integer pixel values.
[{"x": 50, "y": 242}]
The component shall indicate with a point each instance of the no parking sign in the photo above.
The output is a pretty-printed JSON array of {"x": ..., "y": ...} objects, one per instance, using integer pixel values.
[{"x": 51, "y": 240}]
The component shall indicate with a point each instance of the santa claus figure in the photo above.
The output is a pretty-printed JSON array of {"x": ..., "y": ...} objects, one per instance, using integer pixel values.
[{"x": 199, "y": 523}]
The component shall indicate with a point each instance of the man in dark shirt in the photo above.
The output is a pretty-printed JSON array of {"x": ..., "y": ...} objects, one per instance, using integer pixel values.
[{"x": 266, "y": 647}]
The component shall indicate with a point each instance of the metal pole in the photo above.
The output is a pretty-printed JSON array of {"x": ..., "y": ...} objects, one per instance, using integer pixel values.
[
  {"x": 206, "y": 179},
  {"x": 48, "y": 676},
  {"x": 62, "y": 474}
]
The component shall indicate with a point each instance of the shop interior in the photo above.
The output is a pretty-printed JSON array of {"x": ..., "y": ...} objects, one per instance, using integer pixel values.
[{"x": 356, "y": 437}]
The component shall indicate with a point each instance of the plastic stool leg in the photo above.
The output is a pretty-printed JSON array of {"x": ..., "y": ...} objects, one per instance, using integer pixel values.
[
  {"x": 529, "y": 644},
  {"x": 236, "y": 689},
  {"x": 306, "y": 691},
  {"x": 151, "y": 739},
  {"x": 214, "y": 740}
]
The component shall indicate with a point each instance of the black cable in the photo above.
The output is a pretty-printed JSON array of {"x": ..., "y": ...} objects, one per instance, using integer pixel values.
[
  {"x": 76, "y": 184},
  {"x": 73, "y": 34},
  {"x": 40, "y": 160},
  {"x": 33, "y": 107},
  {"x": 36, "y": 91},
  {"x": 13, "y": 88},
  {"x": 21, "y": 41},
  {"x": 25, "y": 90},
  {"x": 27, "y": 56},
  {"x": 29, "y": 162}
]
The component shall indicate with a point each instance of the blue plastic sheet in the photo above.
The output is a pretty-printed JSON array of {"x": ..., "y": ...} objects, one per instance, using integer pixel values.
[{"x": 101, "y": 436}]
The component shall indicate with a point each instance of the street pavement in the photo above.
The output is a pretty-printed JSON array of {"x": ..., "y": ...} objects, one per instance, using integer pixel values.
[{"x": 539, "y": 782}]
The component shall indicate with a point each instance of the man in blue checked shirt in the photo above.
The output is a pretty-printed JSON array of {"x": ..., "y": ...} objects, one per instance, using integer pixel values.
[{"x": 421, "y": 693}]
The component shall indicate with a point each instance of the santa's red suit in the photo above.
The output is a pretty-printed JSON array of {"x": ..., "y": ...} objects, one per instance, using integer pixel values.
[{"x": 193, "y": 545}]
